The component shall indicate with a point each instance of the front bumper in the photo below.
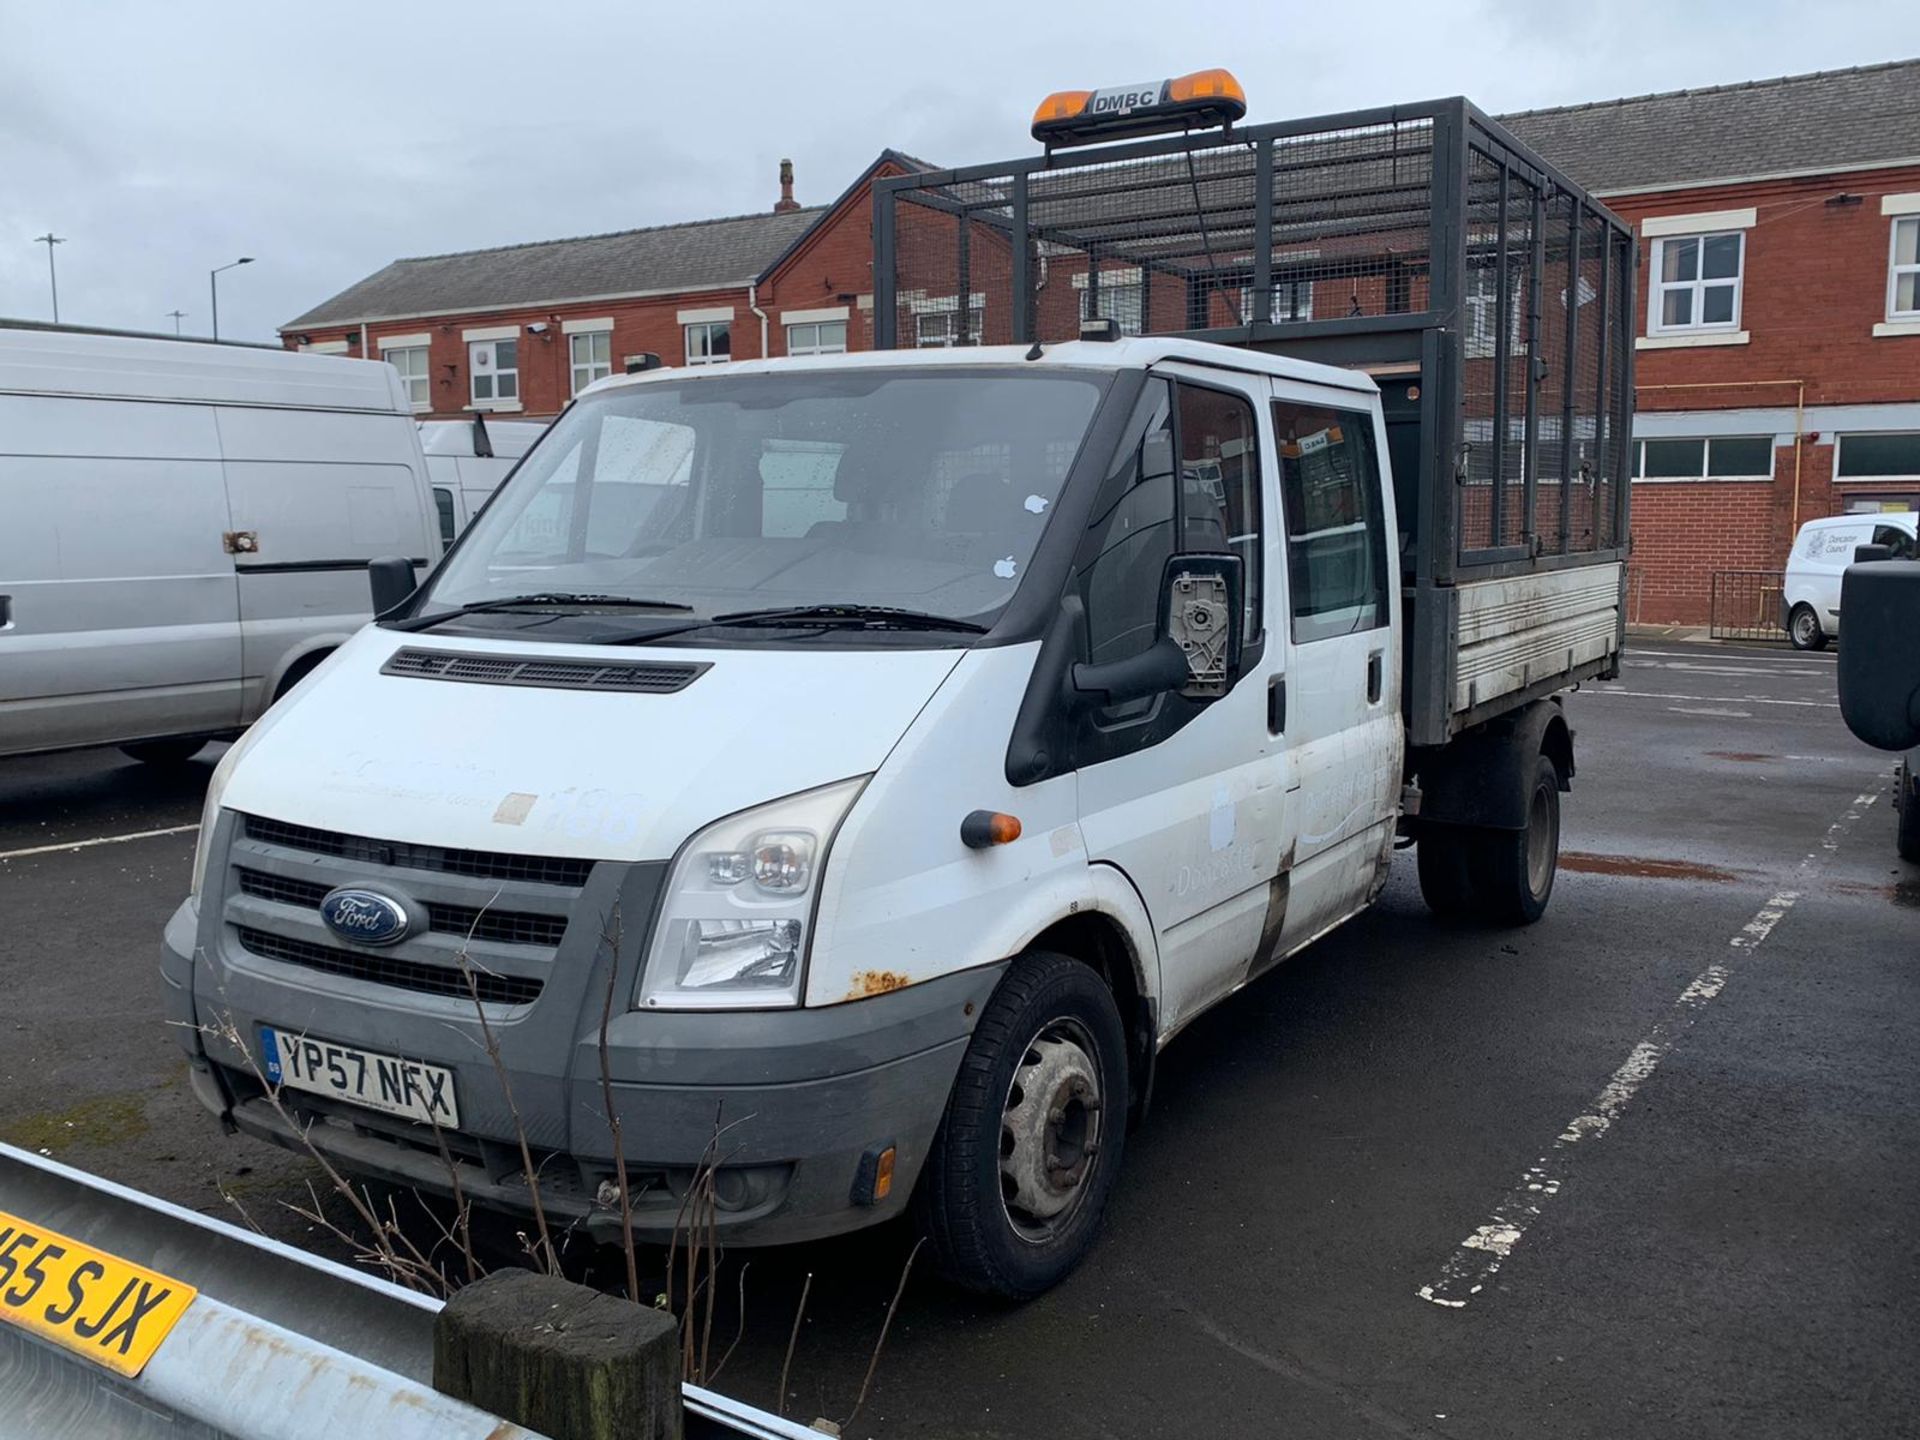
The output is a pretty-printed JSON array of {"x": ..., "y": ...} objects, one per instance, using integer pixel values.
[{"x": 786, "y": 1103}]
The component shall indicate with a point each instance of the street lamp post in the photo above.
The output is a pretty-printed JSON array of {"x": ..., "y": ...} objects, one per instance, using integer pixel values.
[
  {"x": 213, "y": 286},
  {"x": 50, "y": 240},
  {"x": 176, "y": 316}
]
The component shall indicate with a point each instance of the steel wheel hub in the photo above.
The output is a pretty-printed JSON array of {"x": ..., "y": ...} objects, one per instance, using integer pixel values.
[{"x": 1049, "y": 1131}]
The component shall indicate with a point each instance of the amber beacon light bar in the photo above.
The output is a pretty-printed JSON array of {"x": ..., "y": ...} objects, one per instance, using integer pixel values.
[{"x": 1199, "y": 101}]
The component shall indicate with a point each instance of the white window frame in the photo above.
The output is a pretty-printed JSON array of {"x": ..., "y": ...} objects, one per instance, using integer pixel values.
[
  {"x": 943, "y": 308},
  {"x": 495, "y": 401},
  {"x": 1661, "y": 233},
  {"x": 1895, "y": 269},
  {"x": 409, "y": 377},
  {"x": 1840, "y": 444},
  {"x": 802, "y": 324},
  {"x": 1706, "y": 475},
  {"x": 598, "y": 363},
  {"x": 1127, "y": 287},
  {"x": 705, "y": 328}
]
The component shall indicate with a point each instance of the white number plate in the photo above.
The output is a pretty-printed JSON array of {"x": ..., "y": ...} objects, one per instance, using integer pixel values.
[{"x": 381, "y": 1082}]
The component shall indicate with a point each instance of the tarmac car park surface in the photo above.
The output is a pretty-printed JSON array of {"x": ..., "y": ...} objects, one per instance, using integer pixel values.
[{"x": 1650, "y": 1167}]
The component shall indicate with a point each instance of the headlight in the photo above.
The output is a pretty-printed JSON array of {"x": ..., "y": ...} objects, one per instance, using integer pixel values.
[
  {"x": 735, "y": 924},
  {"x": 209, "y": 814}
]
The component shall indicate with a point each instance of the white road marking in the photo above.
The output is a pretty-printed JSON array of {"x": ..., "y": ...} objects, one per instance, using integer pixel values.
[
  {"x": 1689, "y": 669},
  {"x": 1729, "y": 699},
  {"x": 1793, "y": 657},
  {"x": 99, "y": 840},
  {"x": 1480, "y": 1255},
  {"x": 1708, "y": 710}
]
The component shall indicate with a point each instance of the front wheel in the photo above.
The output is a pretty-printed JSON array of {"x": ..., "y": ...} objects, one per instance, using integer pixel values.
[
  {"x": 1513, "y": 869},
  {"x": 1803, "y": 629},
  {"x": 1030, "y": 1145}
]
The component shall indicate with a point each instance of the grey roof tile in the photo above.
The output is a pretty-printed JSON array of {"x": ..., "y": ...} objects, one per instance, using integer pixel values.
[
  {"x": 1828, "y": 120},
  {"x": 703, "y": 254}
]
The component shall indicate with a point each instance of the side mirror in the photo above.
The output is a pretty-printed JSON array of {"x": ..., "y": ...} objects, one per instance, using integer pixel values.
[
  {"x": 1880, "y": 654},
  {"x": 1198, "y": 652},
  {"x": 391, "y": 580},
  {"x": 1202, "y": 600}
]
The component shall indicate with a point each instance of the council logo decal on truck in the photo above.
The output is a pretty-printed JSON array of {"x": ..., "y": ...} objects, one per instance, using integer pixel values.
[{"x": 106, "y": 1309}]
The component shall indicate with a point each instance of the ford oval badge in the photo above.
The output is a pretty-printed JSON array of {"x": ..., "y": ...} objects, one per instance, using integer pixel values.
[{"x": 366, "y": 917}]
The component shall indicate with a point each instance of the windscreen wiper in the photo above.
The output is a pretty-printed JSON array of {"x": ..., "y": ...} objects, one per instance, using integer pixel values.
[
  {"x": 844, "y": 616},
  {"x": 544, "y": 597}
]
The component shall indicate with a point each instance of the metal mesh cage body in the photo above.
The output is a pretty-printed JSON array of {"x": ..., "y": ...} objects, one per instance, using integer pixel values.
[{"x": 1490, "y": 295}]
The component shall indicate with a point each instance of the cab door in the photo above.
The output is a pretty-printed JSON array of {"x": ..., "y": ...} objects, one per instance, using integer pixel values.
[
  {"x": 1186, "y": 796},
  {"x": 1341, "y": 728}
]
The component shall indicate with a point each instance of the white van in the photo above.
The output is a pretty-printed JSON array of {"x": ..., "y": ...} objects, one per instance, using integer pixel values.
[
  {"x": 185, "y": 529},
  {"x": 467, "y": 460},
  {"x": 888, "y": 752},
  {"x": 1821, "y": 553}
]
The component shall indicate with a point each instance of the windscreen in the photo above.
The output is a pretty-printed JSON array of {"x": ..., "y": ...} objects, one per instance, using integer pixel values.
[{"x": 920, "y": 490}]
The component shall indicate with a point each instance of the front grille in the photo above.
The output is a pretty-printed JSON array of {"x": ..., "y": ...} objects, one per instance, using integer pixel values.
[
  {"x": 493, "y": 989},
  {"x": 481, "y": 864},
  {"x": 642, "y": 677},
  {"x": 508, "y": 927}
]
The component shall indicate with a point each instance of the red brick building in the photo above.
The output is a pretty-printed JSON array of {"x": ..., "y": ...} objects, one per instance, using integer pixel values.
[
  {"x": 521, "y": 329},
  {"x": 1777, "y": 368},
  {"x": 1778, "y": 358}
]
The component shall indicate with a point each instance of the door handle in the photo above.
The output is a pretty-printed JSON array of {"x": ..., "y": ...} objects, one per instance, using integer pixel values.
[
  {"x": 1276, "y": 704},
  {"x": 6, "y": 612},
  {"x": 1376, "y": 673}
]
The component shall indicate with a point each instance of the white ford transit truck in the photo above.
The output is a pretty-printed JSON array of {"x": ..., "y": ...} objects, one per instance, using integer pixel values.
[{"x": 885, "y": 755}]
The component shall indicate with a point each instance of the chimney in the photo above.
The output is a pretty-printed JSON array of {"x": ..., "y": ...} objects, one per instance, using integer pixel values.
[{"x": 786, "y": 201}]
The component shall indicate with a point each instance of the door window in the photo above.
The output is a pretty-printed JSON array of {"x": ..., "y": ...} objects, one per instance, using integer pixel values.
[
  {"x": 1336, "y": 532},
  {"x": 443, "y": 503},
  {"x": 1220, "y": 486},
  {"x": 1895, "y": 539}
]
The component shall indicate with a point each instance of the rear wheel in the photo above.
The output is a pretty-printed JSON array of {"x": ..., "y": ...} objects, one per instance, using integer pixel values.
[
  {"x": 1513, "y": 870},
  {"x": 1027, "y": 1153},
  {"x": 1446, "y": 878},
  {"x": 1909, "y": 833},
  {"x": 163, "y": 752},
  {"x": 1803, "y": 629}
]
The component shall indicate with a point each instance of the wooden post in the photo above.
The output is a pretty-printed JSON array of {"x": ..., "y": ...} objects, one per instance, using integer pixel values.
[{"x": 561, "y": 1359}]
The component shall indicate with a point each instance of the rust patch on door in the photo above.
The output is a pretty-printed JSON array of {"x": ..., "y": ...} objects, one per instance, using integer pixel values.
[
  {"x": 1745, "y": 757},
  {"x": 876, "y": 982},
  {"x": 1643, "y": 868}
]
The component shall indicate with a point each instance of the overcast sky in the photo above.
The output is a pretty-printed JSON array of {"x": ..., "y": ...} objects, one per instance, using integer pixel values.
[{"x": 165, "y": 138}]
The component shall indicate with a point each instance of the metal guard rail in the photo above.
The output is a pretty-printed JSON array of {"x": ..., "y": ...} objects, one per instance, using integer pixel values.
[{"x": 277, "y": 1343}]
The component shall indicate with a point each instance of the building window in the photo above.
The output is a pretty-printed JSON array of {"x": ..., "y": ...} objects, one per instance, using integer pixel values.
[
  {"x": 1121, "y": 300},
  {"x": 591, "y": 356},
  {"x": 1696, "y": 283},
  {"x": 1903, "y": 271},
  {"x": 495, "y": 369},
  {"x": 1721, "y": 457},
  {"x": 933, "y": 321},
  {"x": 1481, "y": 320},
  {"x": 1878, "y": 457},
  {"x": 1292, "y": 303},
  {"x": 817, "y": 337},
  {"x": 411, "y": 362},
  {"x": 710, "y": 342}
]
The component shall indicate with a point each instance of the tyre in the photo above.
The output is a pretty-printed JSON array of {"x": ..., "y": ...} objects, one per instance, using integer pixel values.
[
  {"x": 1513, "y": 869},
  {"x": 1031, "y": 1142},
  {"x": 1803, "y": 628},
  {"x": 1909, "y": 832},
  {"x": 163, "y": 752},
  {"x": 1446, "y": 878}
]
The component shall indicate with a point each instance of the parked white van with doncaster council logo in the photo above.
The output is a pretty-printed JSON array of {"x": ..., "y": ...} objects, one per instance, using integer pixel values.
[
  {"x": 187, "y": 529},
  {"x": 1821, "y": 553}
]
